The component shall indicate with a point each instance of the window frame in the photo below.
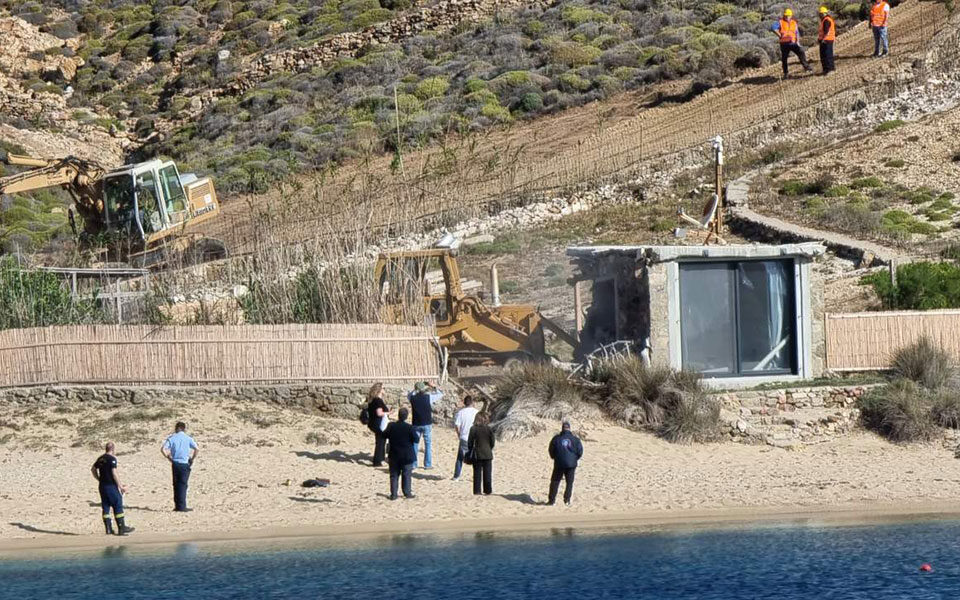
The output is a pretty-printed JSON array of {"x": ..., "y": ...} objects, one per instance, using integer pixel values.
[{"x": 792, "y": 317}]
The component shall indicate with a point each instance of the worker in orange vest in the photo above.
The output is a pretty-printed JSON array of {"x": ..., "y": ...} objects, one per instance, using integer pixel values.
[
  {"x": 879, "y": 17},
  {"x": 825, "y": 36},
  {"x": 788, "y": 30}
]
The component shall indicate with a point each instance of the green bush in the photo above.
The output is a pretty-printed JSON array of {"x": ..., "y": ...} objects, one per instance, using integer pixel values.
[
  {"x": 866, "y": 182},
  {"x": 837, "y": 191},
  {"x": 895, "y": 163},
  {"x": 40, "y": 299},
  {"x": 946, "y": 408},
  {"x": 889, "y": 125},
  {"x": 901, "y": 223},
  {"x": 920, "y": 286},
  {"x": 431, "y": 87},
  {"x": 924, "y": 362},
  {"x": 578, "y": 15}
]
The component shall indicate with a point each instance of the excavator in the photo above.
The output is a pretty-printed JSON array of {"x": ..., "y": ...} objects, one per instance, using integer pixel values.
[
  {"x": 474, "y": 332},
  {"x": 143, "y": 211}
]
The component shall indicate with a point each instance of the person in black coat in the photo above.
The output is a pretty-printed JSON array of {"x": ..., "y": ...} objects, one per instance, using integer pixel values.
[
  {"x": 481, "y": 441},
  {"x": 377, "y": 410},
  {"x": 566, "y": 450},
  {"x": 402, "y": 437}
]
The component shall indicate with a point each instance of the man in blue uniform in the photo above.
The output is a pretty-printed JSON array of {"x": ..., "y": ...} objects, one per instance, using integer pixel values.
[
  {"x": 181, "y": 451},
  {"x": 111, "y": 490}
]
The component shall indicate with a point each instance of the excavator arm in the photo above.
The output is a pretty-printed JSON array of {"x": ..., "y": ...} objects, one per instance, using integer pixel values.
[{"x": 81, "y": 178}]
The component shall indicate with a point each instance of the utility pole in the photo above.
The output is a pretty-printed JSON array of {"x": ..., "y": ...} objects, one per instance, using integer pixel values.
[{"x": 718, "y": 182}]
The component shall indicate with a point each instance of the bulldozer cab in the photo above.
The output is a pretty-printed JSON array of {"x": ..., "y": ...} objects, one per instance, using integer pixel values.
[
  {"x": 144, "y": 199},
  {"x": 409, "y": 290}
]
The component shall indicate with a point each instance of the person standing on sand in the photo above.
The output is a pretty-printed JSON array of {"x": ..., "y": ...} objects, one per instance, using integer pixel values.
[
  {"x": 403, "y": 439},
  {"x": 378, "y": 410},
  {"x": 566, "y": 450},
  {"x": 181, "y": 451},
  {"x": 422, "y": 399},
  {"x": 481, "y": 441},
  {"x": 111, "y": 490},
  {"x": 789, "y": 32},
  {"x": 462, "y": 423}
]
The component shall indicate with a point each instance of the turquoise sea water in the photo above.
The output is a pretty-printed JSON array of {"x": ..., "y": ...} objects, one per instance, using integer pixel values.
[{"x": 789, "y": 562}]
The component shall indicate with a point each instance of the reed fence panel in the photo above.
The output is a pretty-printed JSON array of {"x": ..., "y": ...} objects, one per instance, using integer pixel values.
[
  {"x": 867, "y": 341},
  {"x": 143, "y": 354}
]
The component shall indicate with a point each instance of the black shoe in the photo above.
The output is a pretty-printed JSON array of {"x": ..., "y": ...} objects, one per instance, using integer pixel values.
[
  {"x": 554, "y": 503},
  {"x": 125, "y": 530},
  {"x": 109, "y": 526},
  {"x": 410, "y": 497},
  {"x": 394, "y": 497},
  {"x": 183, "y": 510}
]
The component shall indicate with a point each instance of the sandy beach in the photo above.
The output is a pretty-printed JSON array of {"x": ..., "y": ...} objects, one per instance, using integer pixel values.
[{"x": 246, "y": 482}]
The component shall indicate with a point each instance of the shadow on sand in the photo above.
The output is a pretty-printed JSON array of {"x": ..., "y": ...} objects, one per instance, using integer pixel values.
[
  {"x": 33, "y": 529},
  {"x": 522, "y": 499},
  {"x": 336, "y": 456},
  {"x": 310, "y": 500}
]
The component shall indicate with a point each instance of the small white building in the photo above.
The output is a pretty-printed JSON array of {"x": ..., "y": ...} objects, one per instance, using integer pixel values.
[{"x": 739, "y": 315}]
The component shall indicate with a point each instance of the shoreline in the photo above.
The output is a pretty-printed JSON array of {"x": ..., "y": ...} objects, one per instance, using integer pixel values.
[{"x": 641, "y": 521}]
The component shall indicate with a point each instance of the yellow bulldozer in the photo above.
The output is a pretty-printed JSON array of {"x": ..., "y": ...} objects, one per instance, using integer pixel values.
[
  {"x": 473, "y": 331},
  {"x": 143, "y": 210}
]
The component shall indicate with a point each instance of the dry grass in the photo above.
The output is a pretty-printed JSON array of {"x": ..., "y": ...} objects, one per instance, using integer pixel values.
[
  {"x": 924, "y": 362},
  {"x": 674, "y": 404},
  {"x": 946, "y": 408},
  {"x": 527, "y": 395},
  {"x": 902, "y": 412}
]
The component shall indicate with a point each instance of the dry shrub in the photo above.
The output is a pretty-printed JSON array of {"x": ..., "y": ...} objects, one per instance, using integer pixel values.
[
  {"x": 524, "y": 396},
  {"x": 924, "y": 362},
  {"x": 901, "y": 412},
  {"x": 674, "y": 404},
  {"x": 946, "y": 408}
]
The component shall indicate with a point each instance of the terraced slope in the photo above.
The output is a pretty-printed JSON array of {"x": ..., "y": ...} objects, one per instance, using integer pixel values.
[{"x": 471, "y": 177}]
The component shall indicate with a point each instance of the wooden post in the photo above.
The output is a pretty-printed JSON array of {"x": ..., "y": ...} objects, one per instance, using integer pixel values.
[
  {"x": 893, "y": 283},
  {"x": 577, "y": 309}
]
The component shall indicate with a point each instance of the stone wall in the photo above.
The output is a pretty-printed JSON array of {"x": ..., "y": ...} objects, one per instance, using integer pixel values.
[
  {"x": 789, "y": 417},
  {"x": 333, "y": 400}
]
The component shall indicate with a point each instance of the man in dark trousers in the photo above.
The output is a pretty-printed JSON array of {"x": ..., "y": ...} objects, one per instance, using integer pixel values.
[
  {"x": 565, "y": 450},
  {"x": 402, "y": 438},
  {"x": 181, "y": 451},
  {"x": 111, "y": 490},
  {"x": 789, "y": 32},
  {"x": 826, "y": 35}
]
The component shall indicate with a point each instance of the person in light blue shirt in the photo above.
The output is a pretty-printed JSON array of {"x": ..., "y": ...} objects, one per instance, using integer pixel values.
[{"x": 181, "y": 451}]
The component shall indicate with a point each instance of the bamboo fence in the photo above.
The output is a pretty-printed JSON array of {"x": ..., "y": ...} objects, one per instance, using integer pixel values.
[
  {"x": 143, "y": 354},
  {"x": 867, "y": 341}
]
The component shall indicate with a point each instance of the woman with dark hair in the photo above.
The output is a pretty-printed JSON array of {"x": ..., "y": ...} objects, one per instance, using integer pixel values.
[
  {"x": 480, "y": 443},
  {"x": 378, "y": 410}
]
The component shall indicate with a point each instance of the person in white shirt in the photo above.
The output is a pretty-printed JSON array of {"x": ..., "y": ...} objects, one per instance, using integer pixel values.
[{"x": 462, "y": 423}]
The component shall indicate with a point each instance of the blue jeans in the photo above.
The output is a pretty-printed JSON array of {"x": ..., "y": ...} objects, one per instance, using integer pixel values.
[
  {"x": 461, "y": 452},
  {"x": 424, "y": 431},
  {"x": 181, "y": 475},
  {"x": 880, "y": 39}
]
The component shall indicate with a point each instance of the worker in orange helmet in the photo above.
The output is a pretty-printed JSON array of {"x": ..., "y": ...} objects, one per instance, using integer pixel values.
[
  {"x": 825, "y": 37},
  {"x": 879, "y": 17},
  {"x": 788, "y": 30}
]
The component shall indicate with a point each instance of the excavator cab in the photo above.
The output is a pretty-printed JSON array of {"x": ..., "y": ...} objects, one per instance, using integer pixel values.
[{"x": 406, "y": 291}]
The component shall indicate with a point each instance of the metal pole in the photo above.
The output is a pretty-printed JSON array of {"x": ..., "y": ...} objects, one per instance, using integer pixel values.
[
  {"x": 494, "y": 285},
  {"x": 577, "y": 308}
]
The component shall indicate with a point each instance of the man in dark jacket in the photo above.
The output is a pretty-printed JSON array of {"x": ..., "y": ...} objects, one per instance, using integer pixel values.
[
  {"x": 402, "y": 437},
  {"x": 565, "y": 450}
]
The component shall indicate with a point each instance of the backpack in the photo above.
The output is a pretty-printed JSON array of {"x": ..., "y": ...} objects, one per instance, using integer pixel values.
[{"x": 365, "y": 416}]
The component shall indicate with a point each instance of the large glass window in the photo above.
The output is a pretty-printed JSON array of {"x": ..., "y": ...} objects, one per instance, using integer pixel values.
[
  {"x": 173, "y": 193},
  {"x": 737, "y": 318}
]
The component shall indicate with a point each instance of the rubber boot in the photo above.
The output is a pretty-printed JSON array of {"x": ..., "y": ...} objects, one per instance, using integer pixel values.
[
  {"x": 108, "y": 524},
  {"x": 122, "y": 529}
]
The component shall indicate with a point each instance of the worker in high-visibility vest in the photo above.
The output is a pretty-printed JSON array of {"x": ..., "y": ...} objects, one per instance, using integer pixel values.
[
  {"x": 879, "y": 18},
  {"x": 825, "y": 37},
  {"x": 788, "y": 30}
]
